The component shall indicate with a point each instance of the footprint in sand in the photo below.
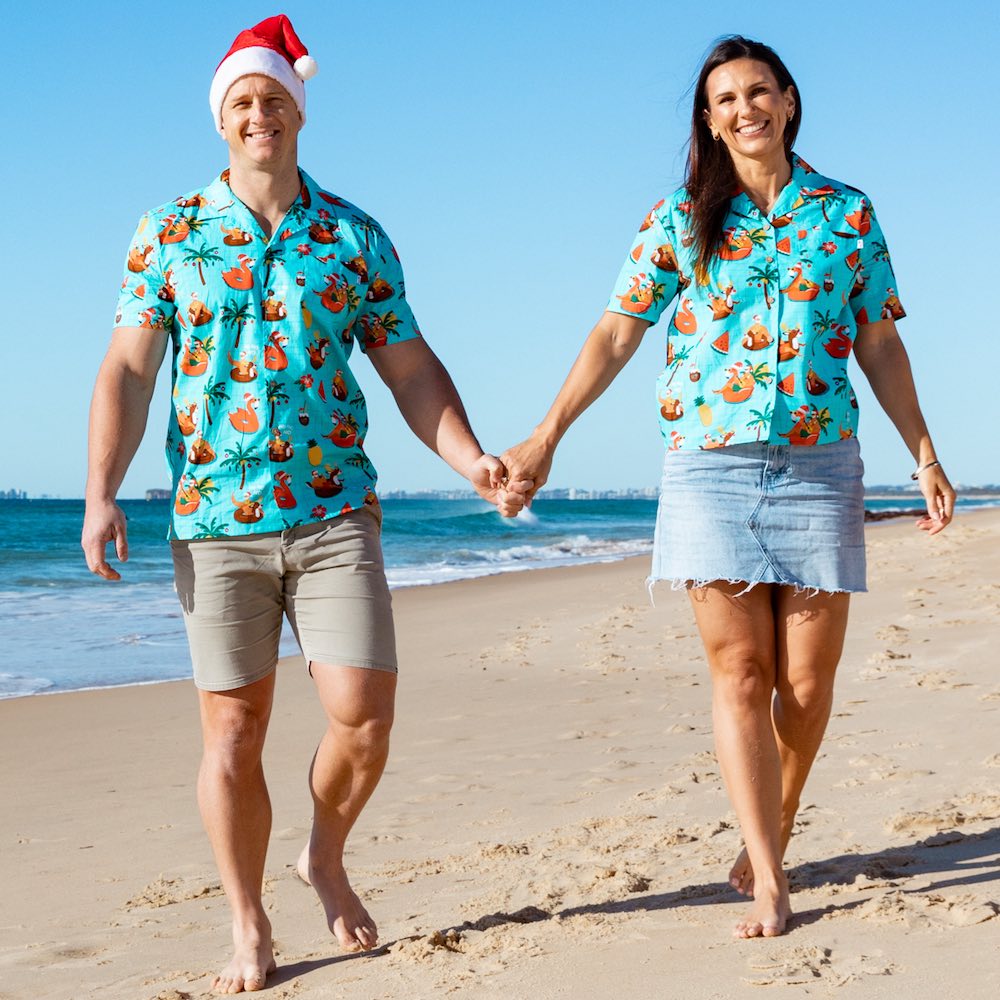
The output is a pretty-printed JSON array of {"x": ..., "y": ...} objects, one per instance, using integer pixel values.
[
  {"x": 809, "y": 963},
  {"x": 914, "y": 909},
  {"x": 893, "y": 633},
  {"x": 939, "y": 680}
]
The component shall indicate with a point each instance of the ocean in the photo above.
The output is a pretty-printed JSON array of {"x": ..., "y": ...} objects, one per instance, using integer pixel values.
[{"x": 64, "y": 629}]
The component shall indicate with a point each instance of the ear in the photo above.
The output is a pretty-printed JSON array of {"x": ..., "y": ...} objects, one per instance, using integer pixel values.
[{"x": 791, "y": 100}]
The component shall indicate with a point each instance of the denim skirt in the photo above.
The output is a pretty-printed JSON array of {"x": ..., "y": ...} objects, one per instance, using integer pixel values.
[{"x": 762, "y": 513}]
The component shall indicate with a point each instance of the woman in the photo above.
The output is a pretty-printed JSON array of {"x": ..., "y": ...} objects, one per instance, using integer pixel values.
[{"x": 779, "y": 273}]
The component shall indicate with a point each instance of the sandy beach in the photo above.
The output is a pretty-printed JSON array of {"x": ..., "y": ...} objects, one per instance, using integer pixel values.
[{"x": 552, "y": 822}]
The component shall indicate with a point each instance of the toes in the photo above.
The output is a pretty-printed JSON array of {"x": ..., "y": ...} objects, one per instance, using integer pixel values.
[{"x": 772, "y": 930}]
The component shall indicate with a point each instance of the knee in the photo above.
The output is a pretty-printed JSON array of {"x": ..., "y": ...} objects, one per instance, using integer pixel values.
[
  {"x": 234, "y": 742},
  {"x": 806, "y": 699},
  {"x": 365, "y": 740},
  {"x": 742, "y": 677}
]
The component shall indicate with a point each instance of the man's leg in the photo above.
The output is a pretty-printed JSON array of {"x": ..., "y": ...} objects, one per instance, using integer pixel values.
[
  {"x": 345, "y": 770},
  {"x": 236, "y": 811}
]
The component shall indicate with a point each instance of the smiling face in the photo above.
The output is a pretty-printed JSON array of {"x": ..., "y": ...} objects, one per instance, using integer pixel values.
[
  {"x": 747, "y": 110},
  {"x": 260, "y": 123}
]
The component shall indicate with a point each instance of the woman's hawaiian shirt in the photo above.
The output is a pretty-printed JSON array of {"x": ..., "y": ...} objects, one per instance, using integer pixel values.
[
  {"x": 759, "y": 352},
  {"x": 267, "y": 421}
]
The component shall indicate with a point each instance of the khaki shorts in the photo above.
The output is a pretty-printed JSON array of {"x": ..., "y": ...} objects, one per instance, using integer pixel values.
[{"x": 328, "y": 577}]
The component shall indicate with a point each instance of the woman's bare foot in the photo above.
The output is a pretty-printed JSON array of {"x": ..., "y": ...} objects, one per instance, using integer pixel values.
[
  {"x": 741, "y": 874},
  {"x": 769, "y": 913},
  {"x": 348, "y": 920},
  {"x": 252, "y": 961}
]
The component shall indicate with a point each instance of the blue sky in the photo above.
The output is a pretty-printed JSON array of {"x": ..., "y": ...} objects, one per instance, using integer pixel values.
[{"x": 510, "y": 150}]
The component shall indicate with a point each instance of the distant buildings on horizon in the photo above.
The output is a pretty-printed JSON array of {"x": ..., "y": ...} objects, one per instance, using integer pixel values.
[{"x": 552, "y": 493}]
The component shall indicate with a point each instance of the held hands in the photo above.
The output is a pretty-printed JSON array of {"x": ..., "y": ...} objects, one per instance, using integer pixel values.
[
  {"x": 104, "y": 522},
  {"x": 493, "y": 482},
  {"x": 940, "y": 499},
  {"x": 530, "y": 461}
]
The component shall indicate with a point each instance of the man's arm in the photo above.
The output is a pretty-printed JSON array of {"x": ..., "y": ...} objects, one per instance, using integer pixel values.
[
  {"x": 430, "y": 404},
  {"x": 118, "y": 414}
]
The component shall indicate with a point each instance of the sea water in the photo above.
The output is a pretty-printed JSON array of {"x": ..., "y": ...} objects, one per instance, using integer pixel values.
[{"x": 63, "y": 628}]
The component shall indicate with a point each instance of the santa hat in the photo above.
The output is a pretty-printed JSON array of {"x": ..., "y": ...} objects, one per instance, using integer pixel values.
[{"x": 272, "y": 49}]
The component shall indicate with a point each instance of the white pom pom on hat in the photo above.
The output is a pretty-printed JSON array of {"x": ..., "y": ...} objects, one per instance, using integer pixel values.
[
  {"x": 305, "y": 67},
  {"x": 271, "y": 48}
]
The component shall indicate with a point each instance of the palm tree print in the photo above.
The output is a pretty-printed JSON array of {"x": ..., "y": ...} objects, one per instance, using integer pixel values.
[
  {"x": 213, "y": 394},
  {"x": 275, "y": 394},
  {"x": 367, "y": 225},
  {"x": 361, "y": 462},
  {"x": 765, "y": 277},
  {"x": 211, "y": 529},
  {"x": 827, "y": 196},
  {"x": 760, "y": 419},
  {"x": 202, "y": 256},
  {"x": 236, "y": 316},
  {"x": 822, "y": 323},
  {"x": 241, "y": 458}
]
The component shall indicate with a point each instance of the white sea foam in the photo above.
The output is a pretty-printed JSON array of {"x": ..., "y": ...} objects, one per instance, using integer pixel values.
[
  {"x": 470, "y": 563},
  {"x": 17, "y": 686}
]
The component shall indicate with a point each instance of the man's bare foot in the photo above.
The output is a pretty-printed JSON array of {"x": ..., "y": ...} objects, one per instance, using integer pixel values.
[
  {"x": 252, "y": 962},
  {"x": 346, "y": 917},
  {"x": 741, "y": 874},
  {"x": 769, "y": 913}
]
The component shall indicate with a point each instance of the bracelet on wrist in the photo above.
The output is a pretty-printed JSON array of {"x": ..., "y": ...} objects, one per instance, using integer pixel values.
[{"x": 921, "y": 468}]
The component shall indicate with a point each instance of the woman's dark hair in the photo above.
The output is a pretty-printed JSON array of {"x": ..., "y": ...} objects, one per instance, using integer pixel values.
[{"x": 711, "y": 177}]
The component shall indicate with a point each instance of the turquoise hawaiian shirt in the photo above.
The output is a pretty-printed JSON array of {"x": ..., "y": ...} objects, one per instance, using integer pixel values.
[
  {"x": 759, "y": 351},
  {"x": 267, "y": 421}
]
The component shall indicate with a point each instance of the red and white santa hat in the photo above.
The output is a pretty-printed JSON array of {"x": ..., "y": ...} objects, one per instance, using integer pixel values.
[{"x": 271, "y": 48}]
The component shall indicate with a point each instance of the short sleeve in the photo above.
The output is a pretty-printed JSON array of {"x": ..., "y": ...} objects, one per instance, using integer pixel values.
[
  {"x": 874, "y": 295},
  {"x": 146, "y": 299},
  {"x": 648, "y": 280},
  {"x": 385, "y": 317}
]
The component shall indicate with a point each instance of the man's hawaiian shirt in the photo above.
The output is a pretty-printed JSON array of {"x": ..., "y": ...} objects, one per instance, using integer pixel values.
[
  {"x": 759, "y": 351},
  {"x": 267, "y": 421}
]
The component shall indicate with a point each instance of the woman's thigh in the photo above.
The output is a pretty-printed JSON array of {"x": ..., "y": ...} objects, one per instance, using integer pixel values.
[{"x": 738, "y": 632}]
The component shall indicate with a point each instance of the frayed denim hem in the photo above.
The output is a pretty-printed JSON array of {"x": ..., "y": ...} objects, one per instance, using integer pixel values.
[{"x": 692, "y": 584}]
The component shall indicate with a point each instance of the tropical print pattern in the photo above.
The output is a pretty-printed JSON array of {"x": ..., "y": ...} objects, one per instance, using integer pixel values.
[
  {"x": 759, "y": 351},
  {"x": 267, "y": 422}
]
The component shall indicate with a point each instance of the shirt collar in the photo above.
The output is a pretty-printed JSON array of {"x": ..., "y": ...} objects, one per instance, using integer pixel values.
[
  {"x": 802, "y": 176},
  {"x": 220, "y": 195}
]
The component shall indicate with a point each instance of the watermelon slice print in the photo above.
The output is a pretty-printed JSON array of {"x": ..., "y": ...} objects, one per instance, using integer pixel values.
[
  {"x": 787, "y": 385},
  {"x": 721, "y": 343}
]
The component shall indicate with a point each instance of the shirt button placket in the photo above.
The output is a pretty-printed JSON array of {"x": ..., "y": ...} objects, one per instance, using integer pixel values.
[{"x": 773, "y": 316}]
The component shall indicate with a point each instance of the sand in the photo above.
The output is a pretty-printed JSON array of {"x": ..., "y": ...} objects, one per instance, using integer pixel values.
[{"x": 552, "y": 822}]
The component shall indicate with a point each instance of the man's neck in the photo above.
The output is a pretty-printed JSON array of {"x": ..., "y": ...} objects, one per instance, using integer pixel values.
[{"x": 268, "y": 195}]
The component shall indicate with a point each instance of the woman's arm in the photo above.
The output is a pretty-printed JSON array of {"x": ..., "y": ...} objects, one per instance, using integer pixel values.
[
  {"x": 605, "y": 353},
  {"x": 884, "y": 361}
]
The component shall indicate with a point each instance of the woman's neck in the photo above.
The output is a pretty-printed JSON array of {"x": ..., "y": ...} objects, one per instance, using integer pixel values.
[{"x": 763, "y": 180}]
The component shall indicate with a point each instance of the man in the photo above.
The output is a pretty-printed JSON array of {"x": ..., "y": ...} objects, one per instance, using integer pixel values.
[{"x": 261, "y": 282}]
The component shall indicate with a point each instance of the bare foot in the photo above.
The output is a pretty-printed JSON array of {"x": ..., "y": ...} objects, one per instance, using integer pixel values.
[
  {"x": 346, "y": 917},
  {"x": 769, "y": 913},
  {"x": 252, "y": 961},
  {"x": 741, "y": 874}
]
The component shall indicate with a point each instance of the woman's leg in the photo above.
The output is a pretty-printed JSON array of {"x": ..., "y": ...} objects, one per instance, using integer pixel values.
[
  {"x": 809, "y": 640},
  {"x": 739, "y": 638}
]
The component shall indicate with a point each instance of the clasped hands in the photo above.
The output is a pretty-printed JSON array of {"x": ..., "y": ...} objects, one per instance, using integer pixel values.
[{"x": 512, "y": 480}]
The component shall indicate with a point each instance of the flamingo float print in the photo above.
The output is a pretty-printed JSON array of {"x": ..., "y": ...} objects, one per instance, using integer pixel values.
[{"x": 240, "y": 278}]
